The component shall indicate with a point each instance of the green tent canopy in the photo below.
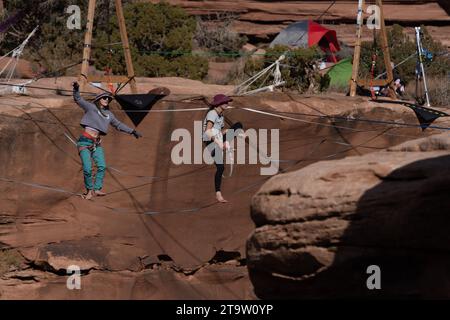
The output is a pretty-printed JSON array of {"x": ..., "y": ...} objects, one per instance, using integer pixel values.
[{"x": 341, "y": 73}]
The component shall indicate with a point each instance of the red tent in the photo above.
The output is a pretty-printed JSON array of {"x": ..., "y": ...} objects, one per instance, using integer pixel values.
[{"x": 305, "y": 34}]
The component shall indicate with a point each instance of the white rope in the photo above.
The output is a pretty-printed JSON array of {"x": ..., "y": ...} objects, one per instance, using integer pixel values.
[
  {"x": 395, "y": 66},
  {"x": 263, "y": 89},
  {"x": 180, "y": 110},
  {"x": 15, "y": 57},
  {"x": 243, "y": 87}
]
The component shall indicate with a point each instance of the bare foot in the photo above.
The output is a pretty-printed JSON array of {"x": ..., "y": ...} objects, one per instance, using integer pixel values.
[
  {"x": 99, "y": 193},
  {"x": 220, "y": 198},
  {"x": 87, "y": 195}
]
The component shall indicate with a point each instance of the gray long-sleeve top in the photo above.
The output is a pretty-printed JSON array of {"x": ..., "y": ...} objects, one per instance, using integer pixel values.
[{"x": 95, "y": 119}]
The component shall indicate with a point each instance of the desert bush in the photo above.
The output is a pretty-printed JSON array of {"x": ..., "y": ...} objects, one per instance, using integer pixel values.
[
  {"x": 299, "y": 69},
  {"x": 10, "y": 259},
  {"x": 215, "y": 34},
  {"x": 439, "y": 90}
]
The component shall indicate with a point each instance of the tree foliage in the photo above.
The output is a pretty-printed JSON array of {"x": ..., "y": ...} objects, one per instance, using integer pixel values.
[
  {"x": 401, "y": 46},
  {"x": 159, "y": 36}
]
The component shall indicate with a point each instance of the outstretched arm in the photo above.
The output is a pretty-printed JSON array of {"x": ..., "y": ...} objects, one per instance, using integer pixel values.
[
  {"x": 123, "y": 127},
  {"x": 86, "y": 106}
]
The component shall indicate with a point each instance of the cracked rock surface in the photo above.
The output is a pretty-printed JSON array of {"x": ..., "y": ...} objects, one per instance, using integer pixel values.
[
  {"x": 156, "y": 234},
  {"x": 319, "y": 228}
]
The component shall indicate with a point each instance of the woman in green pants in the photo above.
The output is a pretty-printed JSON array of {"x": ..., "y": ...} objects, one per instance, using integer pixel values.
[{"x": 95, "y": 122}]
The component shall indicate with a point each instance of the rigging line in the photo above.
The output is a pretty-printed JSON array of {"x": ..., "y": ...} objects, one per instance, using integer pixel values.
[
  {"x": 274, "y": 114},
  {"x": 109, "y": 167},
  {"x": 293, "y": 119},
  {"x": 281, "y": 170},
  {"x": 138, "y": 206},
  {"x": 210, "y": 204},
  {"x": 41, "y": 106},
  {"x": 38, "y": 186},
  {"x": 60, "y": 190},
  {"x": 346, "y": 119},
  {"x": 330, "y": 119},
  {"x": 328, "y": 116},
  {"x": 72, "y": 139},
  {"x": 251, "y": 145},
  {"x": 201, "y": 168},
  {"x": 46, "y": 74},
  {"x": 349, "y": 119},
  {"x": 23, "y": 119},
  {"x": 326, "y": 11},
  {"x": 384, "y": 122},
  {"x": 66, "y": 127},
  {"x": 152, "y": 177},
  {"x": 114, "y": 169},
  {"x": 318, "y": 18},
  {"x": 164, "y": 230},
  {"x": 349, "y": 149},
  {"x": 47, "y": 88},
  {"x": 142, "y": 176},
  {"x": 343, "y": 118},
  {"x": 47, "y": 136},
  {"x": 159, "y": 180},
  {"x": 329, "y": 141},
  {"x": 284, "y": 170}
]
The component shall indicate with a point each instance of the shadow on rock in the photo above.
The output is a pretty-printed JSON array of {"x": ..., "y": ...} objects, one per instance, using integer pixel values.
[{"x": 327, "y": 241}]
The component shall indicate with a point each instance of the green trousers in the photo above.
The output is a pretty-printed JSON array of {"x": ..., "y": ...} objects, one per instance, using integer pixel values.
[{"x": 87, "y": 155}]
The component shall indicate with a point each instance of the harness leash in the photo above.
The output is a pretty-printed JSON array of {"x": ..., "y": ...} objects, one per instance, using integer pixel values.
[{"x": 95, "y": 143}]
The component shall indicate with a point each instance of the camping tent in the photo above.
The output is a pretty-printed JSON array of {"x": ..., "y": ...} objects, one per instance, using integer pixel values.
[
  {"x": 341, "y": 73},
  {"x": 305, "y": 34}
]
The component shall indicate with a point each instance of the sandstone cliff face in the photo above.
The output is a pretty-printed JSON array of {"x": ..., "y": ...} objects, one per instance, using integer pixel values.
[
  {"x": 319, "y": 228},
  {"x": 158, "y": 234}
]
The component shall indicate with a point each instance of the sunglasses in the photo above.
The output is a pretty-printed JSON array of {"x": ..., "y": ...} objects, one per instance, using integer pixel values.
[{"x": 105, "y": 98}]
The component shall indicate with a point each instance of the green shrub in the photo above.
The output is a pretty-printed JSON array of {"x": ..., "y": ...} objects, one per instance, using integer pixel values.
[
  {"x": 401, "y": 46},
  {"x": 193, "y": 67},
  {"x": 159, "y": 35},
  {"x": 152, "y": 66},
  {"x": 160, "y": 38}
]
